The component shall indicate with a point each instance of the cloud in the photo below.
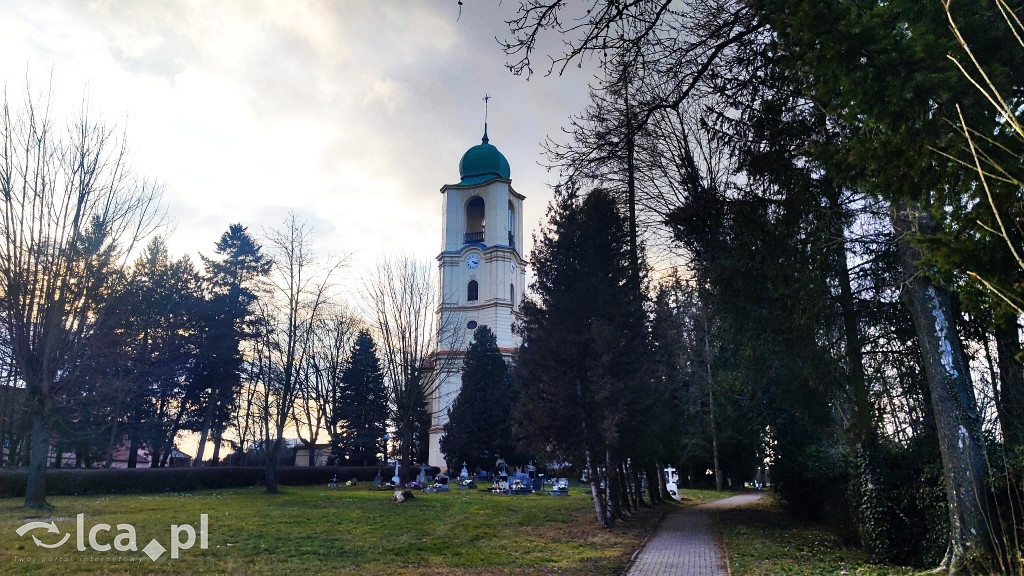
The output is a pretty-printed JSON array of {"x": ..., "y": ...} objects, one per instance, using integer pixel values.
[
  {"x": 352, "y": 113},
  {"x": 386, "y": 91}
]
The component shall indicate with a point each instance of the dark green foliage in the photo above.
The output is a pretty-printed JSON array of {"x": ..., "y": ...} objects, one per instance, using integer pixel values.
[
  {"x": 899, "y": 498},
  {"x": 140, "y": 356},
  {"x": 420, "y": 444},
  {"x": 673, "y": 425},
  {"x": 580, "y": 368},
  {"x": 227, "y": 320},
  {"x": 143, "y": 480},
  {"x": 479, "y": 427},
  {"x": 579, "y": 350},
  {"x": 361, "y": 409}
]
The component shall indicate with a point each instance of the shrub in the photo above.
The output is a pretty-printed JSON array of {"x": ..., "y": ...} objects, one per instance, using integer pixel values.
[
  {"x": 71, "y": 481},
  {"x": 899, "y": 498}
]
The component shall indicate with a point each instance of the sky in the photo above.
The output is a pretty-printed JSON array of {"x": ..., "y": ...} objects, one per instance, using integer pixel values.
[{"x": 352, "y": 114}]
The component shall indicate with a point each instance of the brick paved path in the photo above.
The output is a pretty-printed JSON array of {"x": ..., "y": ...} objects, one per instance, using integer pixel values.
[{"x": 683, "y": 544}]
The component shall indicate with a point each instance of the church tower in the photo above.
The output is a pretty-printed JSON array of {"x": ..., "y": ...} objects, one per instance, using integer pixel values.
[{"x": 482, "y": 271}]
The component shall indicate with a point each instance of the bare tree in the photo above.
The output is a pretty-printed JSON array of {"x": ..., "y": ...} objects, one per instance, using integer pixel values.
[
  {"x": 299, "y": 294},
  {"x": 71, "y": 211},
  {"x": 403, "y": 304},
  {"x": 315, "y": 411}
]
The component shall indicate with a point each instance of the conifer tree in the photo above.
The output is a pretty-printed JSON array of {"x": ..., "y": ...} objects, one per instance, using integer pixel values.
[
  {"x": 882, "y": 69},
  {"x": 479, "y": 427},
  {"x": 362, "y": 408},
  {"x": 228, "y": 313},
  {"x": 584, "y": 342}
]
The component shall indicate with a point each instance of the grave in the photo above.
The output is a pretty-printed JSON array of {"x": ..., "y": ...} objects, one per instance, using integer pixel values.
[
  {"x": 440, "y": 484},
  {"x": 560, "y": 488},
  {"x": 671, "y": 477}
]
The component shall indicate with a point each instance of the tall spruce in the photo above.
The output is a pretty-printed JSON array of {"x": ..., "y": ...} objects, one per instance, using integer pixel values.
[
  {"x": 479, "y": 427},
  {"x": 163, "y": 333},
  {"x": 362, "y": 409},
  {"x": 584, "y": 343},
  {"x": 228, "y": 314}
]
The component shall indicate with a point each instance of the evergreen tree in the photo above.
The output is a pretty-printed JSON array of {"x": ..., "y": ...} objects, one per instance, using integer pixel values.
[
  {"x": 361, "y": 409},
  {"x": 882, "y": 69},
  {"x": 584, "y": 343},
  {"x": 227, "y": 317},
  {"x": 163, "y": 318},
  {"x": 420, "y": 417},
  {"x": 479, "y": 427}
]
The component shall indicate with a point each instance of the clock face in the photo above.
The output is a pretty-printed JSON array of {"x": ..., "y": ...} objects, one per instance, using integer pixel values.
[
  {"x": 512, "y": 266},
  {"x": 472, "y": 261}
]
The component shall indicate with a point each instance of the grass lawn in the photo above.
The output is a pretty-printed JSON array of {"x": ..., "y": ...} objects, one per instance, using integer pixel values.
[
  {"x": 315, "y": 530},
  {"x": 762, "y": 540}
]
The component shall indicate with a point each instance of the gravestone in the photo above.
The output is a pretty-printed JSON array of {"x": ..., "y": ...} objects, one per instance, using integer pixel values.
[
  {"x": 561, "y": 487},
  {"x": 670, "y": 482}
]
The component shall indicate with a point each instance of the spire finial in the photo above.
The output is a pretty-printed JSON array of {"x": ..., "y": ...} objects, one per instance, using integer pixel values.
[{"x": 486, "y": 99}]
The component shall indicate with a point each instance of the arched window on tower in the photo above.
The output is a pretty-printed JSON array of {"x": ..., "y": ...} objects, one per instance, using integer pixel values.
[
  {"x": 511, "y": 225},
  {"x": 472, "y": 291},
  {"x": 512, "y": 295},
  {"x": 475, "y": 222}
]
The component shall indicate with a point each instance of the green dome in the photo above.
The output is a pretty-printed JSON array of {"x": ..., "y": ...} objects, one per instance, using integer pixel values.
[{"x": 483, "y": 162}]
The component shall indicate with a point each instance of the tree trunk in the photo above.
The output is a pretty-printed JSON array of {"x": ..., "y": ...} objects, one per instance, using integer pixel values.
[
  {"x": 635, "y": 488},
  {"x": 26, "y": 450},
  {"x": 133, "y": 453},
  {"x": 862, "y": 422},
  {"x": 111, "y": 446},
  {"x": 614, "y": 486},
  {"x": 595, "y": 491},
  {"x": 711, "y": 402},
  {"x": 35, "y": 487},
  {"x": 861, "y": 429},
  {"x": 270, "y": 468},
  {"x": 1011, "y": 379},
  {"x": 403, "y": 474},
  {"x": 5, "y": 419},
  {"x": 957, "y": 420},
  {"x": 207, "y": 419},
  {"x": 653, "y": 485},
  {"x": 612, "y": 491},
  {"x": 217, "y": 436}
]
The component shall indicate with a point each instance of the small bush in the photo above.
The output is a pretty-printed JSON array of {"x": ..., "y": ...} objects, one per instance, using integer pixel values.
[
  {"x": 900, "y": 500},
  {"x": 65, "y": 482}
]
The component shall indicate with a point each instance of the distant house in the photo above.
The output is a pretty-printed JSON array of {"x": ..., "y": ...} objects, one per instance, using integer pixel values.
[
  {"x": 121, "y": 453},
  {"x": 179, "y": 459},
  {"x": 323, "y": 452},
  {"x": 67, "y": 459}
]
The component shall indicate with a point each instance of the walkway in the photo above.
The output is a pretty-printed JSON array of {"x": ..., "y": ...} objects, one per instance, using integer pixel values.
[{"x": 683, "y": 544}]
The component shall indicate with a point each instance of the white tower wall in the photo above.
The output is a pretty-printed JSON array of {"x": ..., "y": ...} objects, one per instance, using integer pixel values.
[{"x": 501, "y": 267}]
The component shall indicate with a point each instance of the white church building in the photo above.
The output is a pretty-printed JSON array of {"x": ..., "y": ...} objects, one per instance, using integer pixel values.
[{"x": 482, "y": 271}]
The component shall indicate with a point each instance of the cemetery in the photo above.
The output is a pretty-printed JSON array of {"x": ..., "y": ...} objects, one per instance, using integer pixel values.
[
  {"x": 730, "y": 288},
  {"x": 354, "y": 529}
]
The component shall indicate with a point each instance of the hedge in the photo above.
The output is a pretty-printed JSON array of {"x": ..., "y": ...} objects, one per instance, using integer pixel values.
[{"x": 74, "y": 481}]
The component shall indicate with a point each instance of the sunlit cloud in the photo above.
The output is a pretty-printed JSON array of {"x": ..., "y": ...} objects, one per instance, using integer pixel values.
[{"x": 352, "y": 114}]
